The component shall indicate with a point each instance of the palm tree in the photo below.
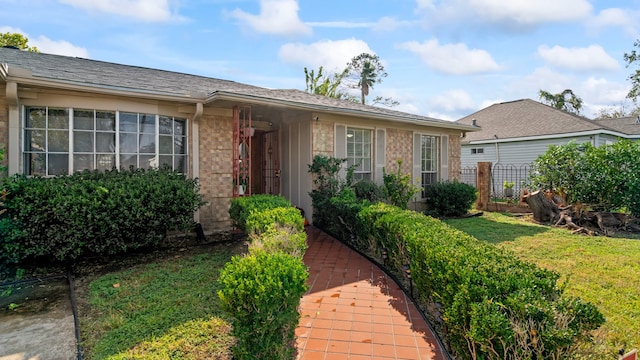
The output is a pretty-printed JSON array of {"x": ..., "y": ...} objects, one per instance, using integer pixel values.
[
  {"x": 565, "y": 101},
  {"x": 368, "y": 70}
]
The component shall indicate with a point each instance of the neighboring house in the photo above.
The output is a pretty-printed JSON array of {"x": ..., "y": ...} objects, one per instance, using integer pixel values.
[
  {"x": 517, "y": 132},
  {"x": 62, "y": 114}
]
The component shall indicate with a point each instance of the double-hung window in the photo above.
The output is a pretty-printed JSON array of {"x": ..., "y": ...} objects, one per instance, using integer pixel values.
[
  {"x": 62, "y": 140},
  {"x": 359, "y": 152},
  {"x": 428, "y": 161}
]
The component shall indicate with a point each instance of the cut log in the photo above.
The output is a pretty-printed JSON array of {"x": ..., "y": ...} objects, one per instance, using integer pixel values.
[
  {"x": 544, "y": 210},
  {"x": 606, "y": 221}
]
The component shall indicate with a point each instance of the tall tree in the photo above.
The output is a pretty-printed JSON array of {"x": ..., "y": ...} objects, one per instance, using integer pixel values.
[
  {"x": 320, "y": 84},
  {"x": 367, "y": 70},
  {"x": 565, "y": 101},
  {"x": 634, "y": 58},
  {"x": 16, "y": 40}
]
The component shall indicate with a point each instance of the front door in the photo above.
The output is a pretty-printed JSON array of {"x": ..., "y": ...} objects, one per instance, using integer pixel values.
[{"x": 271, "y": 162}]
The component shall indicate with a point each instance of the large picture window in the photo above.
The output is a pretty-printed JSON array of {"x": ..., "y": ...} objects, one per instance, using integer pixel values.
[
  {"x": 359, "y": 152},
  {"x": 429, "y": 161},
  {"x": 61, "y": 140}
]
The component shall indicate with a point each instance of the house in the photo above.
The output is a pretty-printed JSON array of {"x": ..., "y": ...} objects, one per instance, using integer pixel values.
[
  {"x": 517, "y": 132},
  {"x": 63, "y": 114}
]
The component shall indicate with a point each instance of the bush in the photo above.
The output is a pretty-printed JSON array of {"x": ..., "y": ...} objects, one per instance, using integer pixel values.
[
  {"x": 113, "y": 212},
  {"x": 242, "y": 207},
  {"x": 263, "y": 293},
  {"x": 325, "y": 171},
  {"x": 494, "y": 305},
  {"x": 259, "y": 221},
  {"x": 398, "y": 187},
  {"x": 368, "y": 190},
  {"x": 450, "y": 198},
  {"x": 278, "y": 238}
]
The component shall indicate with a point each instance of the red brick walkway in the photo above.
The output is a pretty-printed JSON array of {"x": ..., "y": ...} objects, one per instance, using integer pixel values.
[{"x": 354, "y": 311}]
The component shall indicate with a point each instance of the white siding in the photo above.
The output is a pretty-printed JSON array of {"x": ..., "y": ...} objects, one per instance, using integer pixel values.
[{"x": 521, "y": 152}]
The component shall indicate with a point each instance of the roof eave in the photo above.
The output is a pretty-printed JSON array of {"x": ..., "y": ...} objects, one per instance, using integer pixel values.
[
  {"x": 550, "y": 136},
  {"x": 231, "y": 96}
]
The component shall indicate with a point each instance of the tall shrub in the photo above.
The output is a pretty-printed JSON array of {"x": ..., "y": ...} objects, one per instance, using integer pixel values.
[
  {"x": 263, "y": 291},
  {"x": 398, "y": 187},
  {"x": 104, "y": 213},
  {"x": 327, "y": 184}
]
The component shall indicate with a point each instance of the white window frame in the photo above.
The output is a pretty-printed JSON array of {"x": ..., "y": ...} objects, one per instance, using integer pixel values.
[
  {"x": 432, "y": 171},
  {"x": 175, "y": 157},
  {"x": 360, "y": 174}
]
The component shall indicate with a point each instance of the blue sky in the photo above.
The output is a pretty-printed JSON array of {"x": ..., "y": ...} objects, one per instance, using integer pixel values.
[{"x": 445, "y": 58}]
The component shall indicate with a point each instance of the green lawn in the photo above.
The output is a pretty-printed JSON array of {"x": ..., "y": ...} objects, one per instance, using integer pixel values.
[
  {"x": 165, "y": 309},
  {"x": 604, "y": 271}
]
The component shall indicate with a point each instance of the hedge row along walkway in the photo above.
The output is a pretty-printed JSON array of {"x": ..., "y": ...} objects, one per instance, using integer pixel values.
[{"x": 353, "y": 310}]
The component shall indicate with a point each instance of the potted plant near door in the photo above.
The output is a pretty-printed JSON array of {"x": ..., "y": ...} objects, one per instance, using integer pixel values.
[{"x": 508, "y": 188}]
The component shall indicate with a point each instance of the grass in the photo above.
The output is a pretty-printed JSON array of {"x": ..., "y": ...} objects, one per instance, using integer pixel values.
[
  {"x": 604, "y": 271},
  {"x": 165, "y": 309}
]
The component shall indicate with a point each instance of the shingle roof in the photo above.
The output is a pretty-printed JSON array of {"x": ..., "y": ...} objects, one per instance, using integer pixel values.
[
  {"x": 525, "y": 118},
  {"x": 628, "y": 125},
  {"x": 141, "y": 79}
]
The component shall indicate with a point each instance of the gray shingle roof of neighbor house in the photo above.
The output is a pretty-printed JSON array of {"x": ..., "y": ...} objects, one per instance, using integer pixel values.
[
  {"x": 192, "y": 88},
  {"x": 525, "y": 118},
  {"x": 628, "y": 125}
]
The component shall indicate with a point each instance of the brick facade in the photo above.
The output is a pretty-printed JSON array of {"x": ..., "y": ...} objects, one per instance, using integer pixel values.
[
  {"x": 322, "y": 138},
  {"x": 455, "y": 151},
  {"x": 4, "y": 124},
  {"x": 216, "y": 170},
  {"x": 399, "y": 146}
]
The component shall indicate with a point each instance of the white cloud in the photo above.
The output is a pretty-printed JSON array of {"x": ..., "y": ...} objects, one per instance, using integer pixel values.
[
  {"x": 456, "y": 59},
  {"x": 145, "y": 10},
  {"x": 58, "y": 47},
  {"x": 333, "y": 55},
  {"x": 626, "y": 19},
  {"x": 341, "y": 24},
  {"x": 518, "y": 13},
  {"x": 48, "y": 46},
  {"x": 540, "y": 79},
  {"x": 602, "y": 91},
  {"x": 388, "y": 23},
  {"x": 453, "y": 101},
  {"x": 590, "y": 58},
  {"x": 279, "y": 17}
]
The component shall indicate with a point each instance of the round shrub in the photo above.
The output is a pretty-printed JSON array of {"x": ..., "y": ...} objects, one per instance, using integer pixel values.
[{"x": 450, "y": 198}]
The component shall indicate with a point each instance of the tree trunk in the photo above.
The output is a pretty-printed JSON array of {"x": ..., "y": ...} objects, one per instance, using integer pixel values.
[{"x": 544, "y": 210}]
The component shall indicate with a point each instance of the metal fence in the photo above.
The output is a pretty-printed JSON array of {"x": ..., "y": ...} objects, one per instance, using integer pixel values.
[
  {"x": 469, "y": 176},
  {"x": 508, "y": 180}
]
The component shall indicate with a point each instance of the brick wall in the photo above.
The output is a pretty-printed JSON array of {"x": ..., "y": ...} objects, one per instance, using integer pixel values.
[
  {"x": 216, "y": 170},
  {"x": 323, "y": 138},
  {"x": 399, "y": 146},
  {"x": 4, "y": 123},
  {"x": 455, "y": 167}
]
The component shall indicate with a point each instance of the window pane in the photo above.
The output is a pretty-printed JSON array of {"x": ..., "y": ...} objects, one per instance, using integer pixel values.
[
  {"x": 58, "y": 140},
  {"x": 180, "y": 164},
  {"x": 83, "y": 119},
  {"x": 128, "y": 122},
  {"x": 106, "y": 142},
  {"x": 166, "y": 145},
  {"x": 105, "y": 161},
  {"x": 180, "y": 127},
  {"x": 106, "y": 120},
  {"x": 128, "y": 160},
  {"x": 82, "y": 141},
  {"x": 147, "y": 144},
  {"x": 179, "y": 145},
  {"x": 58, "y": 164},
  {"x": 35, "y": 164},
  {"x": 166, "y": 125},
  {"x": 35, "y": 140},
  {"x": 82, "y": 162},
  {"x": 36, "y": 118},
  {"x": 58, "y": 118},
  {"x": 166, "y": 160},
  {"x": 148, "y": 162},
  {"x": 147, "y": 123},
  {"x": 128, "y": 143}
]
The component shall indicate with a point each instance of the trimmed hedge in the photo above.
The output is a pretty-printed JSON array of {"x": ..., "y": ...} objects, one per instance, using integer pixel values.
[
  {"x": 262, "y": 290},
  {"x": 243, "y": 206},
  {"x": 93, "y": 213},
  {"x": 450, "y": 198},
  {"x": 494, "y": 306}
]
